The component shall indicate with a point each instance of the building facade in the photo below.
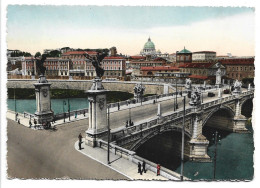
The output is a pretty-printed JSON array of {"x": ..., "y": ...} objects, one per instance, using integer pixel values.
[
  {"x": 183, "y": 57},
  {"x": 203, "y": 55},
  {"x": 163, "y": 70},
  {"x": 114, "y": 66},
  {"x": 239, "y": 68}
]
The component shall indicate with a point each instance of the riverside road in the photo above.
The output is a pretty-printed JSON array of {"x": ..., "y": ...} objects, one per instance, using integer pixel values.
[{"x": 51, "y": 154}]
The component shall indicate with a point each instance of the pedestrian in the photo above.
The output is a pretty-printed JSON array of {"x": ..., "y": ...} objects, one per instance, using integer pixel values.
[
  {"x": 118, "y": 106},
  {"x": 153, "y": 101},
  {"x": 80, "y": 140},
  {"x": 18, "y": 121},
  {"x": 132, "y": 123},
  {"x": 181, "y": 93},
  {"x": 84, "y": 113},
  {"x": 139, "y": 168},
  {"x": 16, "y": 116},
  {"x": 144, "y": 170},
  {"x": 30, "y": 123},
  {"x": 75, "y": 114},
  {"x": 35, "y": 122},
  {"x": 158, "y": 169},
  {"x": 126, "y": 124}
]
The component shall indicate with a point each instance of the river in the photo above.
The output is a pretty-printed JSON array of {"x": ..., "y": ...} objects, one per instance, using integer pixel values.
[
  {"x": 29, "y": 105},
  {"x": 234, "y": 155}
]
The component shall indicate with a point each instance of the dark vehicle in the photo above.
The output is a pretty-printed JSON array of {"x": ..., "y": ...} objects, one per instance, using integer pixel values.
[
  {"x": 210, "y": 94},
  {"x": 226, "y": 91}
]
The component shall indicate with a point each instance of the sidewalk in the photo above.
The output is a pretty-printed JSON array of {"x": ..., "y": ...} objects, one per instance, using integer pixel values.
[{"x": 119, "y": 164}]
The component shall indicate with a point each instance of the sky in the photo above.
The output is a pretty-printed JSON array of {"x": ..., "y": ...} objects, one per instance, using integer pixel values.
[{"x": 221, "y": 29}]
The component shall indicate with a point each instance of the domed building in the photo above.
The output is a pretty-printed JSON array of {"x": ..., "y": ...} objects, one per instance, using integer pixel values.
[{"x": 149, "y": 48}]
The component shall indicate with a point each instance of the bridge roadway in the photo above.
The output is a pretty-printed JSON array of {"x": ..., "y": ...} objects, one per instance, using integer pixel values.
[{"x": 141, "y": 113}]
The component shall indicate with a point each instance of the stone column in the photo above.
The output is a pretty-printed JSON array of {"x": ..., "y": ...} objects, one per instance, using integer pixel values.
[
  {"x": 159, "y": 110},
  {"x": 198, "y": 143},
  {"x": 43, "y": 113},
  {"x": 219, "y": 92},
  {"x": 239, "y": 121},
  {"x": 97, "y": 113}
]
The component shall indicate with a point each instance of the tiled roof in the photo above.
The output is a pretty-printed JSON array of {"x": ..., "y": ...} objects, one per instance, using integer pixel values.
[
  {"x": 137, "y": 57},
  {"x": 196, "y": 65},
  {"x": 235, "y": 61},
  {"x": 113, "y": 57},
  {"x": 164, "y": 68},
  {"x": 146, "y": 62}
]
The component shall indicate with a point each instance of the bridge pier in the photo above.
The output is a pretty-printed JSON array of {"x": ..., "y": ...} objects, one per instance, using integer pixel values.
[
  {"x": 198, "y": 143},
  {"x": 239, "y": 121}
]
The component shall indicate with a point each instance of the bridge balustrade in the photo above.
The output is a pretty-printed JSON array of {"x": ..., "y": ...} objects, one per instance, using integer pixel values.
[{"x": 28, "y": 115}]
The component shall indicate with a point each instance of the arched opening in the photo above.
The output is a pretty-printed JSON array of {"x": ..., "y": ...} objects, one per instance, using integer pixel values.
[
  {"x": 165, "y": 149},
  {"x": 247, "y": 108},
  {"x": 220, "y": 119}
]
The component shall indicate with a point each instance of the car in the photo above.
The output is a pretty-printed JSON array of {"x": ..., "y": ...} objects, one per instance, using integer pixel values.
[
  {"x": 226, "y": 91},
  {"x": 210, "y": 94}
]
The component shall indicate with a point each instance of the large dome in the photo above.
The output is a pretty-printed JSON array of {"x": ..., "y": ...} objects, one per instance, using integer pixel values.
[{"x": 149, "y": 45}]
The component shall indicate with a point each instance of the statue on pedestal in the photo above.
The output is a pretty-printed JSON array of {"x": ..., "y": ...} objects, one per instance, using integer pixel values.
[
  {"x": 195, "y": 97},
  {"x": 237, "y": 87},
  {"x": 139, "y": 91},
  {"x": 218, "y": 75},
  {"x": 188, "y": 84}
]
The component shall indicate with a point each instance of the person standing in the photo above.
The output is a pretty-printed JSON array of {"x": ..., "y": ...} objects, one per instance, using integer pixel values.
[
  {"x": 158, "y": 169},
  {"x": 80, "y": 140},
  {"x": 139, "y": 168},
  {"x": 30, "y": 123},
  {"x": 144, "y": 170},
  {"x": 35, "y": 122}
]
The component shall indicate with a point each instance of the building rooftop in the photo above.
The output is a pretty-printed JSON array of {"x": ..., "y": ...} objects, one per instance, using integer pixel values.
[
  {"x": 197, "y": 65},
  {"x": 184, "y": 51},
  {"x": 113, "y": 57},
  {"x": 158, "y": 68},
  {"x": 203, "y": 52}
]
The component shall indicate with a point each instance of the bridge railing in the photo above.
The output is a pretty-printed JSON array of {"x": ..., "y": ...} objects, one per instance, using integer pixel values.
[
  {"x": 71, "y": 113},
  {"x": 117, "y": 150},
  {"x": 28, "y": 115}
]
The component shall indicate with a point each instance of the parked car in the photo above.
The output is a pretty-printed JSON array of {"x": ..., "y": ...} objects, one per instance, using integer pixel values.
[
  {"x": 226, "y": 91},
  {"x": 210, "y": 94}
]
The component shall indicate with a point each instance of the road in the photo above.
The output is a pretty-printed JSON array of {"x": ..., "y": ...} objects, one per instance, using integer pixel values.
[{"x": 51, "y": 154}]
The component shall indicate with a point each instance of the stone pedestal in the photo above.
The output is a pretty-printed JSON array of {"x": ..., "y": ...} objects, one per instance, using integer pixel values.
[
  {"x": 240, "y": 124},
  {"x": 97, "y": 113},
  {"x": 43, "y": 113},
  {"x": 198, "y": 149}
]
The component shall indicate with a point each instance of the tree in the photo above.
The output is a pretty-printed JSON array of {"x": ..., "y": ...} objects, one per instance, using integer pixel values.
[{"x": 38, "y": 54}]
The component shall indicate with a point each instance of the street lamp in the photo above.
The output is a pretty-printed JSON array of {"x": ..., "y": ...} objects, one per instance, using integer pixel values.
[
  {"x": 64, "y": 115},
  {"x": 182, "y": 138},
  {"x": 175, "y": 101},
  {"x": 216, "y": 139},
  {"x": 15, "y": 106},
  {"x": 108, "y": 135},
  {"x": 68, "y": 102}
]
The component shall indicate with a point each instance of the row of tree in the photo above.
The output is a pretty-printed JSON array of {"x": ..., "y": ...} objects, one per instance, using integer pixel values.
[{"x": 19, "y": 53}]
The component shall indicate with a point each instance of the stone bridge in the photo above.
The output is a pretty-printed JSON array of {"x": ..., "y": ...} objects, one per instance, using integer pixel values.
[
  {"x": 125, "y": 86},
  {"x": 195, "y": 119}
]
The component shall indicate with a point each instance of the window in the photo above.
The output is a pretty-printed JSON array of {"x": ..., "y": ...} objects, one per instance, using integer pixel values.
[
  {"x": 237, "y": 68},
  {"x": 245, "y": 68},
  {"x": 241, "y": 68},
  {"x": 233, "y": 68}
]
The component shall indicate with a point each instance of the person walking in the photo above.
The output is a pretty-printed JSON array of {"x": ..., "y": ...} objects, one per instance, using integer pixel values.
[
  {"x": 144, "y": 170},
  {"x": 126, "y": 124},
  {"x": 118, "y": 106},
  {"x": 158, "y": 169},
  {"x": 80, "y": 140},
  {"x": 30, "y": 123},
  {"x": 35, "y": 122},
  {"x": 139, "y": 168}
]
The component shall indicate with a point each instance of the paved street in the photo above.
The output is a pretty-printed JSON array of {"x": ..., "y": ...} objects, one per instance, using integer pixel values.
[{"x": 48, "y": 154}]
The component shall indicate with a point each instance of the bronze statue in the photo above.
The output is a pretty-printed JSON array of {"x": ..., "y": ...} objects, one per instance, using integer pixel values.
[
  {"x": 39, "y": 65},
  {"x": 96, "y": 63}
]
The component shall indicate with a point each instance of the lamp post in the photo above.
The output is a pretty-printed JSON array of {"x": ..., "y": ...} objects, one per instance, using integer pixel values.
[
  {"x": 129, "y": 102},
  {"x": 64, "y": 115},
  {"x": 216, "y": 139},
  {"x": 176, "y": 104},
  {"x": 15, "y": 106},
  {"x": 182, "y": 140},
  {"x": 68, "y": 102},
  {"x": 108, "y": 135}
]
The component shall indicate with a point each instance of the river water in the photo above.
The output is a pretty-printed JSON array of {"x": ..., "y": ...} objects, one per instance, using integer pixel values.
[
  {"x": 29, "y": 105},
  {"x": 234, "y": 155}
]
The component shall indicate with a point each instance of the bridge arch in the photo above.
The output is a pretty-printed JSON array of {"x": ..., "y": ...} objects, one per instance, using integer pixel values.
[
  {"x": 147, "y": 137},
  {"x": 247, "y": 107},
  {"x": 222, "y": 117}
]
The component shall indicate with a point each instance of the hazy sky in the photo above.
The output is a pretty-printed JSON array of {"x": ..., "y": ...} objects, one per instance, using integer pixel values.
[{"x": 221, "y": 29}]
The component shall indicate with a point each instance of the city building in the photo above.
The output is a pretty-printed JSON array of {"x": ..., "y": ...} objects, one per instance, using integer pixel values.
[
  {"x": 202, "y": 71},
  {"x": 203, "y": 55},
  {"x": 183, "y": 57},
  {"x": 239, "y": 68},
  {"x": 114, "y": 66},
  {"x": 164, "y": 70}
]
